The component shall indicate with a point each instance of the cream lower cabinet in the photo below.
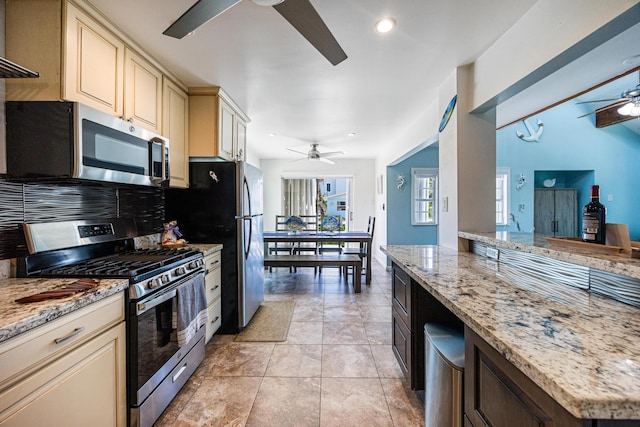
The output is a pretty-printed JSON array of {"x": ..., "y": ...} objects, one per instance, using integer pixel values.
[
  {"x": 69, "y": 372},
  {"x": 175, "y": 126},
  {"x": 217, "y": 127},
  {"x": 213, "y": 283}
]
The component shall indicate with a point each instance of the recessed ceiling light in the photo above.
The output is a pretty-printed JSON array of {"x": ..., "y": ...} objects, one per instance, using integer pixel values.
[
  {"x": 272, "y": 134},
  {"x": 385, "y": 25},
  {"x": 351, "y": 134}
]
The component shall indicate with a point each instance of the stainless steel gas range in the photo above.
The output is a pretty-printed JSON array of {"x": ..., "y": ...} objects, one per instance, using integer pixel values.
[{"x": 157, "y": 365}]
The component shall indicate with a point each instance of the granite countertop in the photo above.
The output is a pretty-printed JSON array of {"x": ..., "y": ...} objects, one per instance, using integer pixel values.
[
  {"x": 538, "y": 244},
  {"x": 206, "y": 248},
  {"x": 582, "y": 349},
  {"x": 16, "y": 318}
]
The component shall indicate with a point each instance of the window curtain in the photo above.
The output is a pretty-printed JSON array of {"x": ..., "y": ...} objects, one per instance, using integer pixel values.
[{"x": 299, "y": 196}]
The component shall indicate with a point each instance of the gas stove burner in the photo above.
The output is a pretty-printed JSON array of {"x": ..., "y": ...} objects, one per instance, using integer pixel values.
[
  {"x": 105, "y": 255},
  {"x": 131, "y": 264}
]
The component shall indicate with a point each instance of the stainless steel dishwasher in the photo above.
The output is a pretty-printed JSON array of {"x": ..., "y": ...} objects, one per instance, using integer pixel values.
[{"x": 444, "y": 367}]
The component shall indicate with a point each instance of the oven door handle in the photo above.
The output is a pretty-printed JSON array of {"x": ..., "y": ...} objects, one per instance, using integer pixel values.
[{"x": 145, "y": 306}]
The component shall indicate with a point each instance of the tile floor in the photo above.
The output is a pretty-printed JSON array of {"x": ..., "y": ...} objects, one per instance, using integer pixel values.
[{"x": 336, "y": 367}]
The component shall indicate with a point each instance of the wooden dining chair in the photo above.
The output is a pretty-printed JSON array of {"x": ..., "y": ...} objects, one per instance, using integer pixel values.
[
  {"x": 330, "y": 247},
  {"x": 362, "y": 250},
  {"x": 285, "y": 248}
]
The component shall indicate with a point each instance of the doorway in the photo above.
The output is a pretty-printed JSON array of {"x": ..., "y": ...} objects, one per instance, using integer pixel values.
[{"x": 319, "y": 196}]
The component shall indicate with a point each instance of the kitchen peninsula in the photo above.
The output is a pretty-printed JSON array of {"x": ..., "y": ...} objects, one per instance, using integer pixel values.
[{"x": 559, "y": 352}]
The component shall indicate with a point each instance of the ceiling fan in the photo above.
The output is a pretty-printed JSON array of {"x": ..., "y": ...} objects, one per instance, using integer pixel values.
[
  {"x": 628, "y": 103},
  {"x": 300, "y": 13},
  {"x": 314, "y": 154}
]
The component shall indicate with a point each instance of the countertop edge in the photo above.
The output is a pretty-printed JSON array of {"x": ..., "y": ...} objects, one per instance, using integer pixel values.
[
  {"x": 47, "y": 311},
  {"x": 536, "y": 244}
]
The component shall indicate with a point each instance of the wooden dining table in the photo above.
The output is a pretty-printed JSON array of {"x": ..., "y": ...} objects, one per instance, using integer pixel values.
[{"x": 323, "y": 237}]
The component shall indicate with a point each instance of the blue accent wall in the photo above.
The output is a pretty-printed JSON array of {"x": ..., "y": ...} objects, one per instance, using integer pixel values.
[
  {"x": 577, "y": 154},
  {"x": 399, "y": 228}
]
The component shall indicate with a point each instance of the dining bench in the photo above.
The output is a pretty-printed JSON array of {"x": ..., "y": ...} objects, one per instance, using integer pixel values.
[{"x": 319, "y": 260}]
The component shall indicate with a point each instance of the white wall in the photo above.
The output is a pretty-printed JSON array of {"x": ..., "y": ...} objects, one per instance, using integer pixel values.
[
  {"x": 544, "y": 33},
  {"x": 421, "y": 129},
  {"x": 362, "y": 172}
]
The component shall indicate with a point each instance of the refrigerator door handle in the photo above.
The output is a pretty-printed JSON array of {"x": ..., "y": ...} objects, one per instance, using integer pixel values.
[
  {"x": 247, "y": 192},
  {"x": 248, "y": 216},
  {"x": 247, "y": 246}
]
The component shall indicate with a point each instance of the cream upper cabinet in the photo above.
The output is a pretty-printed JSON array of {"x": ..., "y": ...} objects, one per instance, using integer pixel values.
[
  {"x": 214, "y": 125},
  {"x": 226, "y": 132},
  {"x": 81, "y": 58},
  {"x": 142, "y": 92},
  {"x": 241, "y": 132},
  {"x": 93, "y": 71},
  {"x": 175, "y": 126}
]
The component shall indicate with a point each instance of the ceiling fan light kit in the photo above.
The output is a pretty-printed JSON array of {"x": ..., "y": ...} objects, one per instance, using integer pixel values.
[
  {"x": 630, "y": 109},
  {"x": 299, "y": 13},
  {"x": 315, "y": 155}
]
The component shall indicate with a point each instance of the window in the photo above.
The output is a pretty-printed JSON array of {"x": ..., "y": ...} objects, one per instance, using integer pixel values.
[
  {"x": 424, "y": 185},
  {"x": 502, "y": 196}
]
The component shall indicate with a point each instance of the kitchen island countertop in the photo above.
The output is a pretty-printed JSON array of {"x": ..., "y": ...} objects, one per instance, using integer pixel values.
[
  {"x": 581, "y": 349},
  {"x": 16, "y": 318}
]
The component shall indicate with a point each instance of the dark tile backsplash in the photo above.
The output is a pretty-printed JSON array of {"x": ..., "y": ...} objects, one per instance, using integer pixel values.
[{"x": 65, "y": 201}]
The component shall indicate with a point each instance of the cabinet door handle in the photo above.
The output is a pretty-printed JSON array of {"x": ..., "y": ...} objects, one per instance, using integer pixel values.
[
  {"x": 75, "y": 332},
  {"x": 215, "y": 320},
  {"x": 215, "y": 287}
]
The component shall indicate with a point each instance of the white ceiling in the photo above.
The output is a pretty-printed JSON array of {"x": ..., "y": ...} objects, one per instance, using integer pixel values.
[{"x": 286, "y": 87}]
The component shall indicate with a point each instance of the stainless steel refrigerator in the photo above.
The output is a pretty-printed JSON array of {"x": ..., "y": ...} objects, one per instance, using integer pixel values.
[{"x": 224, "y": 205}]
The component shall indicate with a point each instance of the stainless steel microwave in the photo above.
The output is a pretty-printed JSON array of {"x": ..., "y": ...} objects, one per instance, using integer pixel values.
[{"x": 59, "y": 139}]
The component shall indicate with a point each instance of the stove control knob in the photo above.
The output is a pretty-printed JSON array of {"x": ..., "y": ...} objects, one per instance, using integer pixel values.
[
  {"x": 180, "y": 271},
  {"x": 165, "y": 279},
  {"x": 154, "y": 283},
  {"x": 194, "y": 264}
]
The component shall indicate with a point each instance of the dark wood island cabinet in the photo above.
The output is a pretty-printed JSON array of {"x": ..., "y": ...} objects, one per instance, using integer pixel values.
[{"x": 413, "y": 306}]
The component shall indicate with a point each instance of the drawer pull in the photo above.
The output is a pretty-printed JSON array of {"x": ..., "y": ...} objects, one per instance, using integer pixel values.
[
  {"x": 75, "y": 332},
  {"x": 177, "y": 375},
  {"x": 215, "y": 287},
  {"x": 215, "y": 320}
]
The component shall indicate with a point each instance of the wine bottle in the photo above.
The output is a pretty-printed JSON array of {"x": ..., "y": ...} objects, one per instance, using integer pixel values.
[{"x": 593, "y": 218}]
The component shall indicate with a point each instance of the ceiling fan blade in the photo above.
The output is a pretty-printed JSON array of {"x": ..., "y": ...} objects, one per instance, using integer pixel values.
[
  {"x": 601, "y": 100},
  {"x": 331, "y": 153},
  {"x": 201, "y": 12},
  {"x": 304, "y": 18},
  {"x": 322, "y": 159},
  {"x": 298, "y": 152},
  {"x": 622, "y": 101},
  {"x": 585, "y": 115}
]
